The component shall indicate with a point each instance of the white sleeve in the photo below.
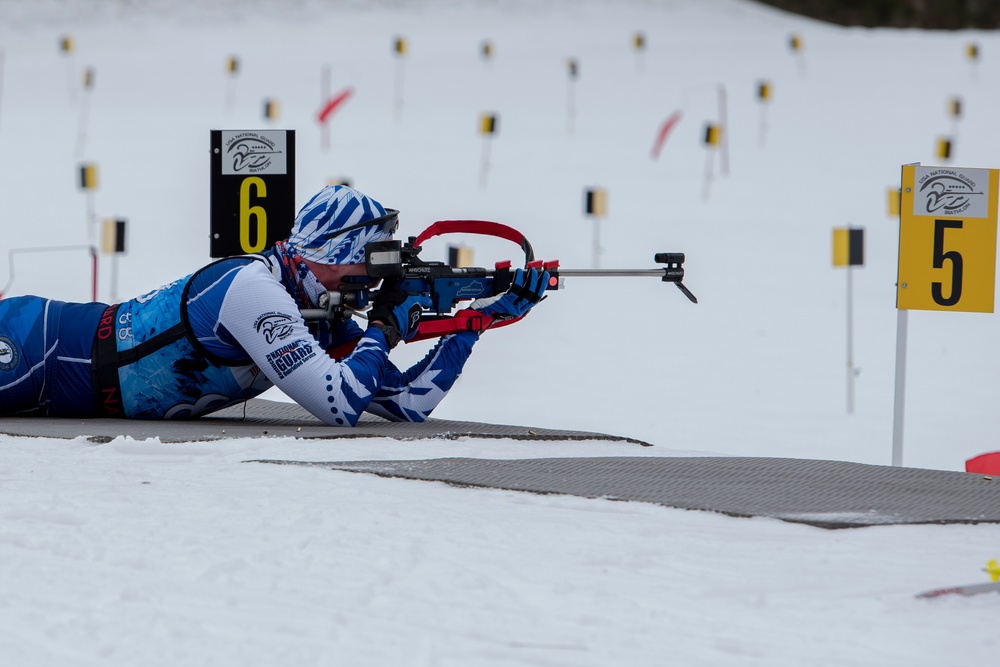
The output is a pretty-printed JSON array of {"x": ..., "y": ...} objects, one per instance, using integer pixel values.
[{"x": 259, "y": 313}]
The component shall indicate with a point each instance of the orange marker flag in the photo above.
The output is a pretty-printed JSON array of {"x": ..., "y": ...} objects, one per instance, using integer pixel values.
[
  {"x": 332, "y": 105},
  {"x": 661, "y": 138}
]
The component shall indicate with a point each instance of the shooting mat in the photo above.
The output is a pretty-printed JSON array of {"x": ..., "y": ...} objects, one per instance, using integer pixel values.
[
  {"x": 260, "y": 418},
  {"x": 828, "y": 494}
]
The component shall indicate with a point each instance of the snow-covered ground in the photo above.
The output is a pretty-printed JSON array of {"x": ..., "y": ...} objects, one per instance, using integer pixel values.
[{"x": 164, "y": 554}]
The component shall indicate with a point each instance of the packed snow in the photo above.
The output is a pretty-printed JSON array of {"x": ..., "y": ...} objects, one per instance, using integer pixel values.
[{"x": 151, "y": 553}]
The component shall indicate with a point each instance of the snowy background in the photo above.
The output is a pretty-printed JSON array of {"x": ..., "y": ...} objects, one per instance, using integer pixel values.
[{"x": 164, "y": 554}]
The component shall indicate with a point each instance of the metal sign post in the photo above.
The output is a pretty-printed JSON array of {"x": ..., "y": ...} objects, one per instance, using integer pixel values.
[{"x": 899, "y": 398}]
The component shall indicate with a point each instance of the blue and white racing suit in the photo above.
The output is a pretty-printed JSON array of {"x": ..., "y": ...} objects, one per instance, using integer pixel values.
[{"x": 217, "y": 337}]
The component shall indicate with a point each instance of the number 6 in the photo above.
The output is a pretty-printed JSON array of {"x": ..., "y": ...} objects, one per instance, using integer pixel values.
[{"x": 258, "y": 212}]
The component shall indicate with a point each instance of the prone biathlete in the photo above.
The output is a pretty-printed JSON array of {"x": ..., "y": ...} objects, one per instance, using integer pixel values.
[{"x": 234, "y": 328}]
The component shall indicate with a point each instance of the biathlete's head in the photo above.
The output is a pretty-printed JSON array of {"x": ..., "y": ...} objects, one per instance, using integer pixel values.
[
  {"x": 334, "y": 226},
  {"x": 332, "y": 229}
]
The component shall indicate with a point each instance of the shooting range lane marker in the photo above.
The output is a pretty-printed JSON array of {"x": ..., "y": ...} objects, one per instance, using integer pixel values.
[
  {"x": 849, "y": 251},
  {"x": 399, "y": 48},
  {"x": 943, "y": 149},
  {"x": 488, "y": 125},
  {"x": 89, "y": 76},
  {"x": 572, "y": 71},
  {"x": 88, "y": 182},
  {"x": 232, "y": 72},
  {"x": 113, "y": 243},
  {"x": 67, "y": 46},
  {"x": 595, "y": 205},
  {"x": 947, "y": 254},
  {"x": 711, "y": 139},
  {"x": 954, "y": 110},
  {"x": 639, "y": 44},
  {"x": 893, "y": 195},
  {"x": 796, "y": 45},
  {"x": 271, "y": 109},
  {"x": 764, "y": 92},
  {"x": 972, "y": 54}
]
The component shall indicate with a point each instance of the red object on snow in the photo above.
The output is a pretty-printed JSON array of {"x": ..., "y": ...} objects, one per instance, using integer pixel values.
[
  {"x": 661, "y": 138},
  {"x": 984, "y": 464},
  {"x": 332, "y": 105}
]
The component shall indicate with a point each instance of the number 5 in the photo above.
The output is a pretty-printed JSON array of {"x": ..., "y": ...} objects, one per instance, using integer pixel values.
[{"x": 956, "y": 264}]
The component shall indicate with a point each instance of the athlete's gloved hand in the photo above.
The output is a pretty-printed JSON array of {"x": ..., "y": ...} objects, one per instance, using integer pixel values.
[
  {"x": 397, "y": 309},
  {"x": 525, "y": 291}
]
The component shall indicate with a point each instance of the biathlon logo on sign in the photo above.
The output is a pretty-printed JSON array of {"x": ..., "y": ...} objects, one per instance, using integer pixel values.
[
  {"x": 951, "y": 192},
  {"x": 254, "y": 152},
  {"x": 288, "y": 357},
  {"x": 8, "y": 354}
]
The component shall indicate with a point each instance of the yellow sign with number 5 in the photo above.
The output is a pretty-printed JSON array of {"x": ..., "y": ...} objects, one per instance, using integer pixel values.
[{"x": 947, "y": 239}]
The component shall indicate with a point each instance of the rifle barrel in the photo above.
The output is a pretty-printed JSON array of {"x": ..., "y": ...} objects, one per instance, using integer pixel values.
[{"x": 612, "y": 273}]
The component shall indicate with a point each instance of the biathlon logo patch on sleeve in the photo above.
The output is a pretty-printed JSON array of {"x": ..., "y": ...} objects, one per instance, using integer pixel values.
[
  {"x": 288, "y": 357},
  {"x": 9, "y": 355},
  {"x": 274, "y": 326}
]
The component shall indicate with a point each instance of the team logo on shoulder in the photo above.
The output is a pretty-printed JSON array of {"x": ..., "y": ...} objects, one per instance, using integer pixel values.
[
  {"x": 274, "y": 326},
  {"x": 290, "y": 356},
  {"x": 9, "y": 355}
]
